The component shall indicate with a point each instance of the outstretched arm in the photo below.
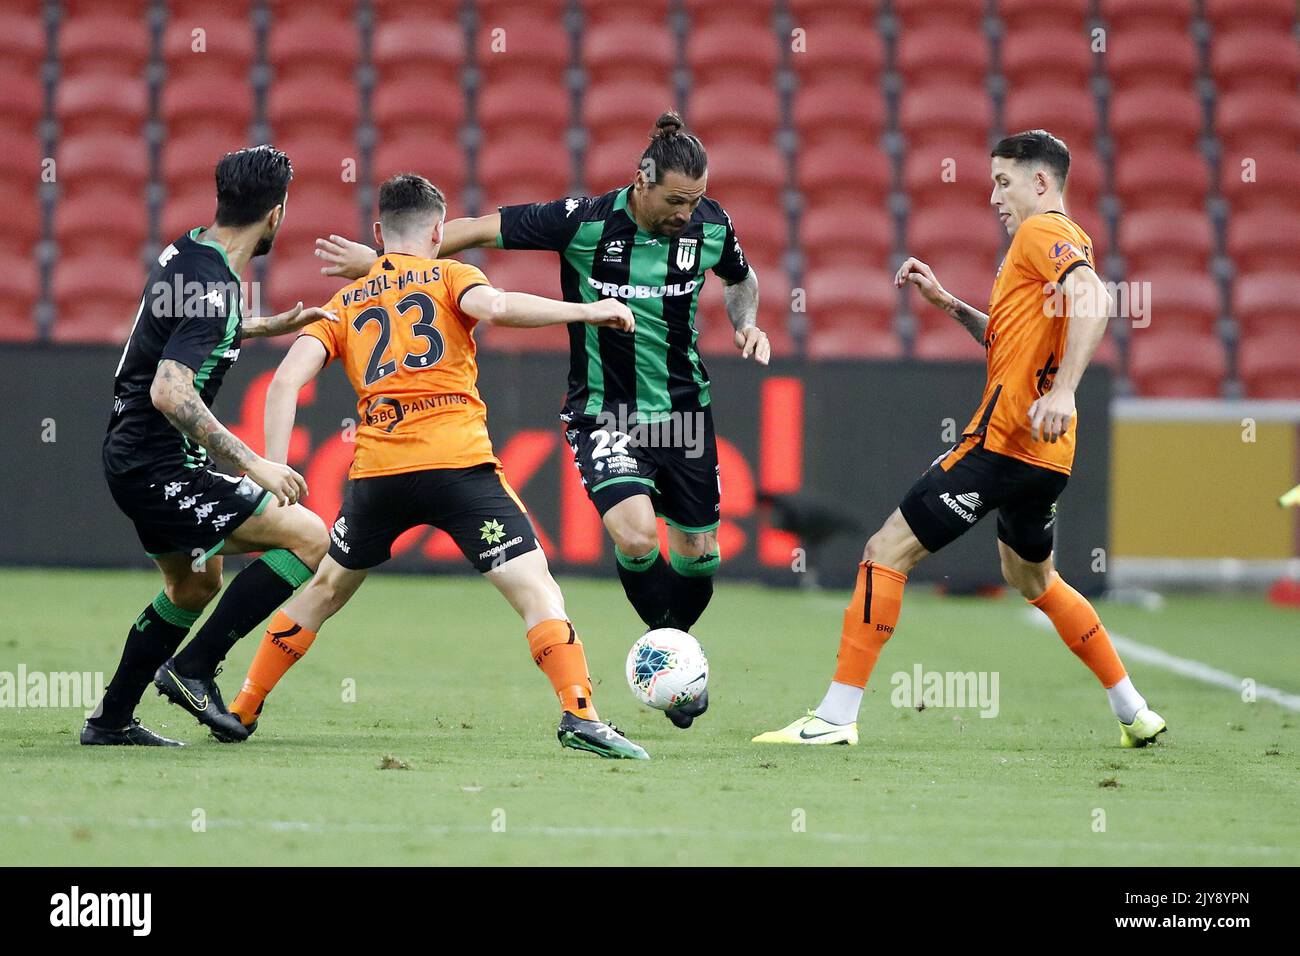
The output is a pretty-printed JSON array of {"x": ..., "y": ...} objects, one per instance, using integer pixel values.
[
  {"x": 304, "y": 361},
  {"x": 920, "y": 275},
  {"x": 290, "y": 321},
  {"x": 526, "y": 311}
]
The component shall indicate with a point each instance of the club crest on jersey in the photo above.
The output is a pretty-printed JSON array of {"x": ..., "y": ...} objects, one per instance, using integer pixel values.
[
  {"x": 686, "y": 250},
  {"x": 613, "y": 251},
  {"x": 570, "y": 205}
]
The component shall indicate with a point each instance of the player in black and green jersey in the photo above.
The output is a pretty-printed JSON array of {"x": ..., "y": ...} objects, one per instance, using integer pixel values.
[
  {"x": 638, "y": 405},
  {"x": 186, "y": 336}
]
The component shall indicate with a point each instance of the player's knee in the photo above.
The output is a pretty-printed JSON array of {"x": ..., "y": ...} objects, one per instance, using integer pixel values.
[
  {"x": 634, "y": 541},
  {"x": 194, "y": 591},
  {"x": 313, "y": 541}
]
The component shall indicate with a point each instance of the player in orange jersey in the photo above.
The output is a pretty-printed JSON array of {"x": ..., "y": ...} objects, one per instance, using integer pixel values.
[
  {"x": 1047, "y": 314},
  {"x": 423, "y": 456}
]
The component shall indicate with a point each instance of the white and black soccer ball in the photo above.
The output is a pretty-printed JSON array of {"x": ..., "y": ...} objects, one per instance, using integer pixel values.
[{"x": 667, "y": 668}]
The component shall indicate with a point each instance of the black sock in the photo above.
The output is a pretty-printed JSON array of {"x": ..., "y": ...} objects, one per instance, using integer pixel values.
[
  {"x": 647, "y": 581},
  {"x": 251, "y": 598},
  {"x": 691, "y": 587},
  {"x": 153, "y": 638}
]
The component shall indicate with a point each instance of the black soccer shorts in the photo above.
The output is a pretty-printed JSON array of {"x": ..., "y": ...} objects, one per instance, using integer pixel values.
[
  {"x": 675, "y": 463},
  {"x": 945, "y": 503},
  {"x": 473, "y": 505},
  {"x": 187, "y": 511}
]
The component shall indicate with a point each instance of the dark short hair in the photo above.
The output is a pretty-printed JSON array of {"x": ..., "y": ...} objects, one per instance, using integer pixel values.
[
  {"x": 250, "y": 183},
  {"x": 406, "y": 198},
  {"x": 673, "y": 149},
  {"x": 1040, "y": 148}
]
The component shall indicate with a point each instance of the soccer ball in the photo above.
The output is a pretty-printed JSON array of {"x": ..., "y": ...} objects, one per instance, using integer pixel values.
[{"x": 667, "y": 668}]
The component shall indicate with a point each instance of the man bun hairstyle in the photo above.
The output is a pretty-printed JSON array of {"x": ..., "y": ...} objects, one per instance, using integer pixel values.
[
  {"x": 250, "y": 183},
  {"x": 407, "y": 200},
  {"x": 1037, "y": 147},
  {"x": 673, "y": 149}
]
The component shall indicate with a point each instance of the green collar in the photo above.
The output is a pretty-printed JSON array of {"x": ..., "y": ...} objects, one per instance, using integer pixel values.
[{"x": 194, "y": 234}]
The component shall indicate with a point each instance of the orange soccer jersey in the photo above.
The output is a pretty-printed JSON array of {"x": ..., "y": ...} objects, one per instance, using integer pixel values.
[
  {"x": 409, "y": 352},
  {"x": 1026, "y": 338}
]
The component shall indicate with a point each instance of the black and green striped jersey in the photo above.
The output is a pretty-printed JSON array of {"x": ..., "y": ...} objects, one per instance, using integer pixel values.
[
  {"x": 604, "y": 254},
  {"x": 189, "y": 312}
]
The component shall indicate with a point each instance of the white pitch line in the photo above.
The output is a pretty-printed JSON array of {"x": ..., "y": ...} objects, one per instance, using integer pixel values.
[{"x": 1183, "y": 666}]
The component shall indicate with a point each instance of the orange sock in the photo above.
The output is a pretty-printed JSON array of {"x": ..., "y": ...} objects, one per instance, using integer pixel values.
[
  {"x": 558, "y": 652},
  {"x": 869, "y": 621},
  {"x": 282, "y": 646},
  {"x": 1081, "y": 629}
]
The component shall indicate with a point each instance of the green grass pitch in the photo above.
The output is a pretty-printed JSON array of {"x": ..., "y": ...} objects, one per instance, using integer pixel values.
[{"x": 444, "y": 685}]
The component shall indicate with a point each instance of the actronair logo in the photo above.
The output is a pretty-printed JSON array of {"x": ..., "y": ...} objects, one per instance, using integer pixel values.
[
  {"x": 965, "y": 505},
  {"x": 74, "y": 908},
  {"x": 612, "y": 290}
]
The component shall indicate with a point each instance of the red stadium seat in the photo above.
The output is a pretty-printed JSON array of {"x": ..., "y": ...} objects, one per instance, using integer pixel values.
[
  {"x": 962, "y": 15},
  {"x": 1125, "y": 15},
  {"x": 21, "y": 164},
  {"x": 22, "y": 43},
  {"x": 22, "y": 104},
  {"x": 1057, "y": 51},
  {"x": 319, "y": 104},
  {"x": 1083, "y": 185},
  {"x": 716, "y": 332},
  {"x": 318, "y": 211},
  {"x": 946, "y": 114},
  {"x": 1266, "y": 303},
  {"x": 596, "y": 13},
  {"x": 186, "y": 106},
  {"x": 849, "y": 342},
  {"x": 1151, "y": 57},
  {"x": 534, "y": 272},
  {"x": 1262, "y": 180},
  {"x": 957, "y": 234},
  {"x": 518, "y": 107},
  {"x": 522, "y": 48},
  {"x": 839, "y": 109},
  {"x": 627, "y": 52},
  {"x": 831, "y": 174},
  {"x": 1155, "y": 118},
  {"x": 197, "y": 10},
  {"x": 495, "y": 11},
  {"x": 190, "y": 162},
  {"x": 1161, "y": 177},
  {"x": 1256, "y": 59},
  {"x": 746, "y": 174},
  {"x": 1165, "y": 239},
  {"x": 524, "y": 169},
  {"x": 20, "y": 287},
  {"x": 324, "y": 160},
  {"x": 1250, "y": 122},
  {"x": 708, "y": 14},
  {"x": 612, "y": 161},
  {"x": 89, "y": 164},
  {"x": 553, "y": 339},
  {"x": 1174, "y": 300},
  {"x": 103, "y": 43},
  {"x": 734, "y": 49},
  {"x": 625, "y": 107},
  {"x": 226, "y": 47},
  {"x": 968, "y": 281},
  {"x": 418, "y": 48},
  {"x": 1070, "y": 114},
  {"x": 1018, "y": 15},
  {"x": 735, "y": 112},
  {"x": 81, "y": 226},
  {"x": 433, "y": 106},
  {"x": 850, "y": 295},
  {"x": 101, "y": 103},
  {"x": 1269, "y": 366},
  {"x": 442, "y": 161},
  {"x": 134, "y": 9},
  {"x": 861, "y": 234},
  {"x": 97, "y": 296},
  {"x": 1276, "y": 15},
  {"x": 1173, "y": 364},
  {"x": 761, "y": 227},
  {"x": 947, "y": 343},
  {"x": 838, "y": 47},
  {"x": 301, "y": 40},
  {"x": 942, "y": 52},
  {"x": 293, "y": 278},
  {"x": 1264, "y": 240},
  {"x": 194, "y": 205},
  {"x": 939, "y": 175}
]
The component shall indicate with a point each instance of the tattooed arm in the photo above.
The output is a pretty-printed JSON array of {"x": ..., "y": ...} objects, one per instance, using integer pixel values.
[
  {"x": 174, "y": 395},
  {"x": 291, "y": 321},
  {"x": 742, "y": 309},
  {"x": 919, "y": 274}
]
